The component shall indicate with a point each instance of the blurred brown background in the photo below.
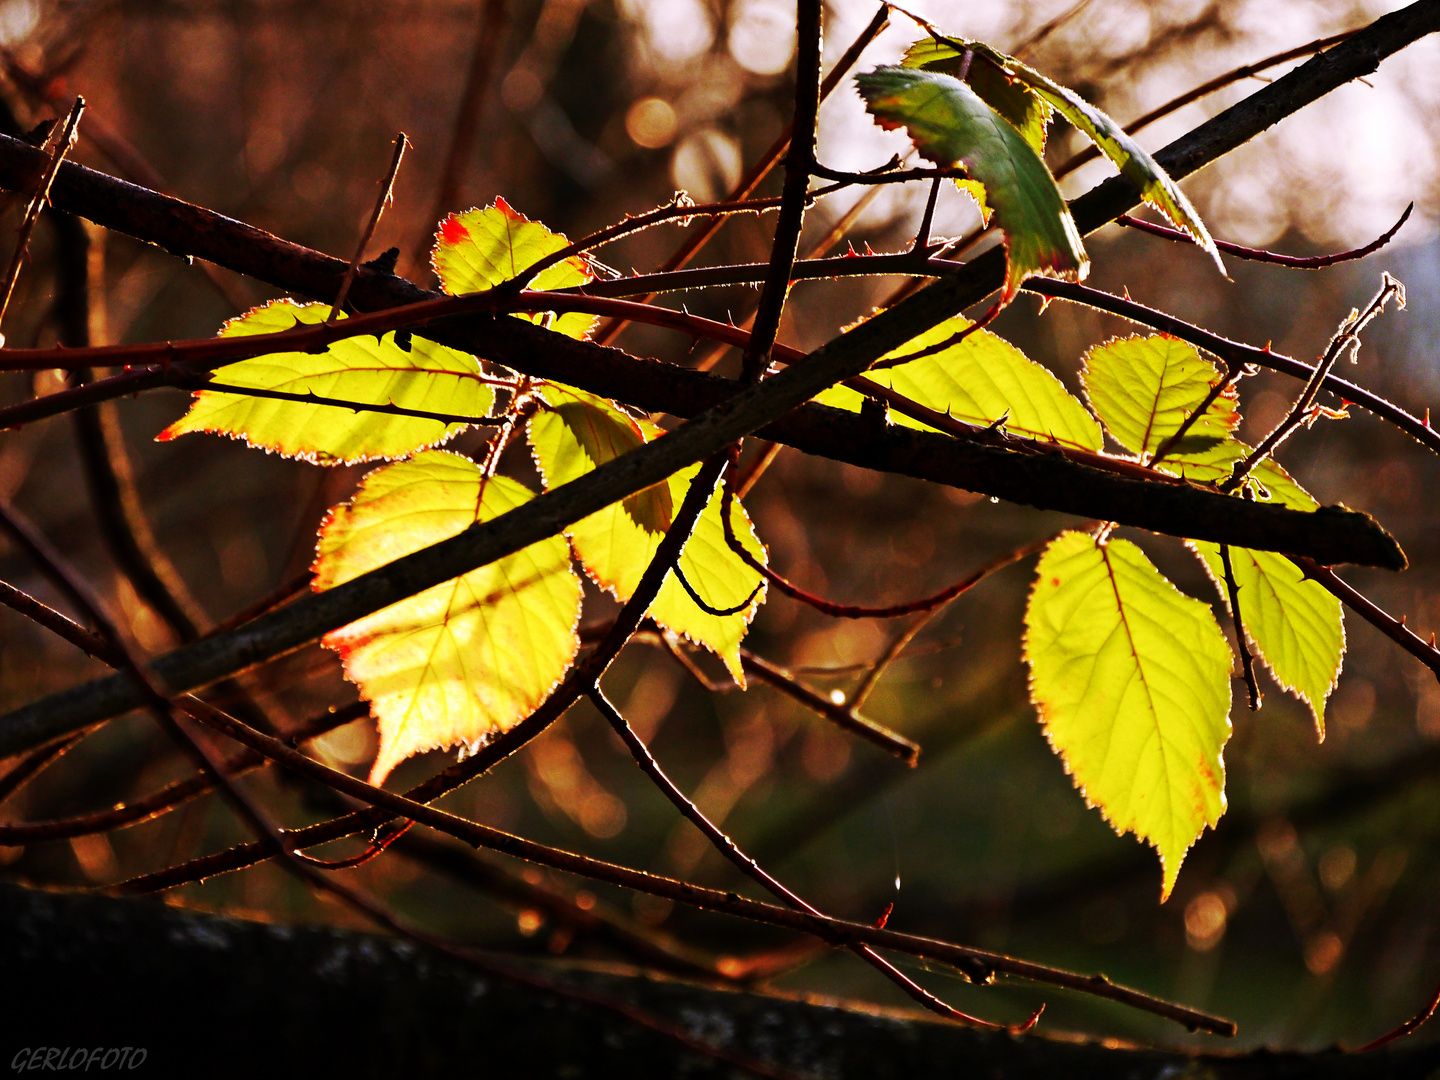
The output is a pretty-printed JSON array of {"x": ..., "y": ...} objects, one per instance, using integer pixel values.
[{"x": 1310, "y": 918}]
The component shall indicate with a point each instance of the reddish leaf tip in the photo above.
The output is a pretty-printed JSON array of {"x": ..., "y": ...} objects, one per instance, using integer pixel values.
[{"x": 452, "y": 232}]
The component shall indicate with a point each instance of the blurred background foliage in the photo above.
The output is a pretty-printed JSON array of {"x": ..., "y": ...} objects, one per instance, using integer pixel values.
[{"x": 1309, "y": 917}]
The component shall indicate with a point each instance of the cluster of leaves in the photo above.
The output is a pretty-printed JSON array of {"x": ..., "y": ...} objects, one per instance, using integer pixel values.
[
  {"x": 1130, "y": 676},
  {"x": 468, "y": 659},
  {"x": 964, "y": 103}
]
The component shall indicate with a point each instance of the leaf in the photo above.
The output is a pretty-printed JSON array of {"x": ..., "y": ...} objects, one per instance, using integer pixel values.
[
  {"x": 1026, "y": 110},
  {"x": 1214, "y": 463},
  {"x": 480, "y": 249},
  {"x": 1297, "y": 627},
  {"x": 1132, "y": 682},
  {"x": 950, "y": 124},
  {"x": 469, "y": 658},
  {"x": 426, "y": 377},
  {"x": 1143, "y": 388},
  {"x": 580, "y": 432},
  {"x": 980, "y": 380},
  {"x": 1153, "y": 182}
]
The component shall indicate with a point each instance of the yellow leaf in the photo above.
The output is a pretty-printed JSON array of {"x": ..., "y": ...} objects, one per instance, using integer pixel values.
[
  {"x": 426, "y": 377},
  {"x": 469, "y": 658},
  {"x": 479, "y": 249},
  {"x": 580, "y": 432}
]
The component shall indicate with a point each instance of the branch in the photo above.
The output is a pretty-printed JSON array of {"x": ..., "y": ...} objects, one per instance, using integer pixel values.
[
  {"x": 794, "y": 196},
  {"x": 751, "y": 869},
  {"x": 977, "y": 964},
  {"x": 1296, "y": 262}
]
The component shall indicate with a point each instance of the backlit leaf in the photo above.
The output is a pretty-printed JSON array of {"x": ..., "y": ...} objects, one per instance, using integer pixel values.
[
  {"x": 616, "y": 544},
  {"x": 464, "y": 660},
  {"x": 1026, "y": 110},
  {"x": 425, "y": 377},
  {"x": 480, "y": 249},
  {"x": 1296, "y": 625},
  {"x": 1132, "y": 682},
  {"x": 1143, "y": 388},
  {"x": 980, "y": 380},
  {"x": 1153, "y": 182},
  {"x": 1214, "y": 463},
  {"x": 950, "y": 124}
]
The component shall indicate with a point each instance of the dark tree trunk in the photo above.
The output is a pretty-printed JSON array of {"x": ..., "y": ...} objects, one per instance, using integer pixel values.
[{"x": 215, "y": 996}]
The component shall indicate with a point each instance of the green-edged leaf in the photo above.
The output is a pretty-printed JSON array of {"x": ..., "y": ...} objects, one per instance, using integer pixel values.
[
  {"x": 1295, "y": 625},
  {"x": 480, "y": 249},
  {"x": 465, "y": 660},
  {"x": 580, "y": 432},
  {"x": 1143, "y": 388},
  {"x": 1153, "y": 182},
  {"x": 950, "y": 124},
  {"x": 980, "y": 380},
  {"x": 1132, "y": 681},
  {"x": 425, "y": 377},
  {"x": 1023, "y": 107},
  {"x": 1213, "y": 463}
]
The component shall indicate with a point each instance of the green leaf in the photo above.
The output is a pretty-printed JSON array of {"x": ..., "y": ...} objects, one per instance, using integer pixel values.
[
  {"x": 1296, "y": 626},
  {"x": 950, "y": 124},
  {"x": 1132, "y": 682},
  {"x": 580, "y": 432},
  {"x": 1026, "y": 110},
  {"x": 1153, "y": 182},
  {"x": 980, "y": 380},
  {"x": 426, "y": 377},
  {"x": 480, "y": 249},
  {"x": 466, "y": 659},
  {"x": 1215, "y": 462},
  {"x": 1143, "y": 388}
]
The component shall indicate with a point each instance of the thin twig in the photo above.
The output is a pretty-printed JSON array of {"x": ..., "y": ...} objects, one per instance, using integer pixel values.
[
  {"x": 387, "y": 193},
  {"x": 977, "y": 964},
  {"x": 751, "y": 869},
  {"x": 1298, "y": 262},
  {"x": 891, "y": 653},
  {"x": 922, "y": 235},
  {"x": 1409, "y": 1027},
  {"x": 37, "y": 203},
  {"x": 704, "y": 605},
  {"x": 845, "y": 716},
  {"x": 1393, "y": 628},
  {"x": 172, "y": 796},
  {"x": 33, "y": 763},
  {"x": 761, "y": 169},
  {"x": 1347, "y": 338},
  {"x": 678, "y": 208},
  {"x": 899, "y": 176},
  {"x": 1247, "y": 662},
  {"x": 1233, "y": 372},
  {"x": 1090, "y": 153},
  {"x": 799, "y": 161},
  {"x": 855, "y": 611}
]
